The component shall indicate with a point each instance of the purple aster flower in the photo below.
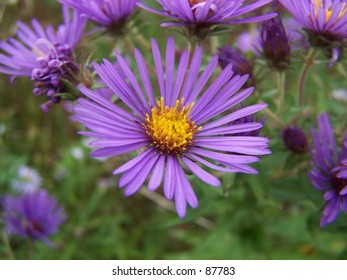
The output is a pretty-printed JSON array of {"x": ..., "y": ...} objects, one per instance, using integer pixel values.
[
  {"x": 35, "y": 215},
  {"x": 325, "y": 21},
  {"x": 329, "y": 173},
  {"x": 181, "y": 128},
  {"x": 44, "y": 55},
  {"x": 110, "y": 13},
  {"x": 275, "y": 44},
  {"x": 200, "y": 15},
  {"x": 295, "y": 139}
]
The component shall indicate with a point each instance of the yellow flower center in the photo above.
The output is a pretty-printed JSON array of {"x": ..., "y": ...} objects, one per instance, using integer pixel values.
[
  {"x": 328, "y": 11},
  {"x": 171, "y": 129}
]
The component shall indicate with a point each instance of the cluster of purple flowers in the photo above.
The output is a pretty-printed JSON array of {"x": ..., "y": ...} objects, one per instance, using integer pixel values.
[{"x": 191, "y": 122}]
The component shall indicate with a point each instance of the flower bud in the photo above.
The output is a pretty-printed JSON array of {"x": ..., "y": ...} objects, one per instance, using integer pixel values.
[
  {"x": 295, "y": 139},
  {"x": 275, "y": 44}
]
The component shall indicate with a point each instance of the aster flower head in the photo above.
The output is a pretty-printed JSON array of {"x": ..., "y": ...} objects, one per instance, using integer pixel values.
[
  {"x": 28, "y": 180},
  {"x": 325, "y": 21},
  {"x": 34, "y": 215},
  {"x": 44, "y": 55},
  {"x": 275, "y": 44},
  {"x": 110, "y": 13},
  {"x": 178, "y": 127},
  {"x": 200, "y": 15},
  {"x": 329, "y": 173},
  {"x": 295, "y": 139}
]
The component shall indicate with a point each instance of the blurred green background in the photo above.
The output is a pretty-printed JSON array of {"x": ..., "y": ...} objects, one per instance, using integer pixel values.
[{"x": 273, "y": 215}]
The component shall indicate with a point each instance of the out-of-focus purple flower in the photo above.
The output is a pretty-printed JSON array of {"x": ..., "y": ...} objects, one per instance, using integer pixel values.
[
  {"x": 249, "y": 42},
  {"x": 28, "y": 180},
  {"x": 276, "y": 5},
  {"x": 275, "y": 44},
  {"x": 340, "y": 94},
  {"x": 297, "y": 39},
  {"x": 325, "y": 21},
  {"x": 200, "y": 15},
  {"x": 35, "y": 215},
  {"x": 329, "y": 173},
  {"x": 44, "y": 55},
  {"x": 183, "y": 126},
  {"x": 241, "y": 65},
  {"x": 104, "y": 12},
  {"x": 77, "y": 153},
  {"x": 295, "y": 139}
]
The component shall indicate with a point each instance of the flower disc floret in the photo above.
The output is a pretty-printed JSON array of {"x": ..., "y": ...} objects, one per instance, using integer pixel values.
[{"x": 171, "y": 129}]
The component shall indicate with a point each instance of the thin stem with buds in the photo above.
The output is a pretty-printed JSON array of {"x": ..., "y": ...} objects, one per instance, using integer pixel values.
[{"x": 303, "y": 74}]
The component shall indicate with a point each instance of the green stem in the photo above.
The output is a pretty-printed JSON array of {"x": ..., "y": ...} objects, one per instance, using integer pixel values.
[
  {"x": 2, "y": 9},
  {"x": 192, "y": 48},
  {"x": 303, "y": 74},
  {"x": 8, "y": 246},
  {"x": 273, "y": 117},
  {"x": 31, "y": 249},
  {"x": 341, "y": 70},
  {"x": 281, "y": 83},
  {"x": 145, "y": 44}
]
